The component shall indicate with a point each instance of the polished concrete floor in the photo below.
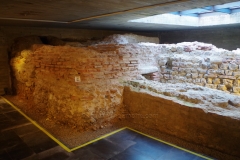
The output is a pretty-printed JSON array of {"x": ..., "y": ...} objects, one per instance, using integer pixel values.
[{"x": 20, "y": 139}]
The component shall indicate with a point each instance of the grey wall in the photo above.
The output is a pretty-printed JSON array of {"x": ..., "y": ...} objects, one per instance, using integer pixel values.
[{"x": 227, "y": 38}]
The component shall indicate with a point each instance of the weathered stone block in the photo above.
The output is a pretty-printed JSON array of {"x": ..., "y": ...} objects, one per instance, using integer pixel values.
[
  {"x": 163, "y": 69},
  {"x": 236, "y": 83},
  {"x": 209, "y": 80},
  {"x": 194, "y": 70},
  {"x": 200, "y": 84},
  {"x": 223, "y": 103},
  {"x": 189, "y": 64},
  {"x": 228, "y": 72},
  {"x": 236, "y": 89},
  {"x": 181, "y": 70},
  {"x": 220, "y": 71},
  {"x": 213, "y": 66},
  {"x": 168, "y": 76},
  {"x": 187, "y": 70},
  {"x": 173, "y": 49},
  {"x": 189, "y": 80},
  {"x": 226, "y": 77},
  {"x": 182, "y": 64},
  {"x": 179, "y": 49},
  {"x": 210, "y": 75},
  {"x": 203, "y": 80},
  {"x": 200, "y": 75},
  {"x": 235, "y": 102},
  {"x": 202, "y": 71},
  {"x": 233, "y": 66},
  {"x": 175, "y": 64},
  {"x": 236, "y": 73},
  {"x": 174, "y": 68},
  {"x": 163, "y": 80},
  {"x": 188, "y": 75},
  {"x": 216, "y": 61},
  {"x": 174, "y": 73},
  {"x": 211, "y": 71},
  {"x": 216, "y": 81},
  {"x": 198, "y": 80},
  {"x": 210, "y": 86},
  {"x": 222, "y": 87},
  {"x": 223, "y": 66},
  {"x": 228, "y": 83},
  {"x": 205, "y": 65},
  {"x": 194, "y": 75},
  {"x": 162, "y": 62}
]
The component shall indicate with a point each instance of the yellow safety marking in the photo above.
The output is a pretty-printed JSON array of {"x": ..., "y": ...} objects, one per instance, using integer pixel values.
[
  {"x": 97, "y": 139},
  {"x": 55, "y": 139},
  {"x": 104, "y": 136},
  {"x": 38, "y": 126},
  {"x": 199, "y": 155}
]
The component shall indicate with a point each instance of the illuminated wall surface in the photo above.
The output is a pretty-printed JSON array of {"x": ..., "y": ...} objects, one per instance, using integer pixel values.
[{"x": 85, "y": 85}]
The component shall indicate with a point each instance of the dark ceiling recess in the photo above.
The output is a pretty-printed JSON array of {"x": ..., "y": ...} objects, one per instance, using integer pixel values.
[{"x": 94, "y": 14}]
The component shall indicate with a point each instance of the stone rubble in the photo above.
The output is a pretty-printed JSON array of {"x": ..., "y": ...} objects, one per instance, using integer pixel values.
[{"x": 201, "y": 64}]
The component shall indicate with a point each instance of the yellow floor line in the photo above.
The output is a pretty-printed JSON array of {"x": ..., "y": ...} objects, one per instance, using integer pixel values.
[
  {"x": 199, "y": 155},
  {"x": 55, "y": 139},
  {"x": 104, "y": 136},
  {"x": 38, "y": 126}
]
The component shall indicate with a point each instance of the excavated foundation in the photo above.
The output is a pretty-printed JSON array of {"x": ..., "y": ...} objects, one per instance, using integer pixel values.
[{"x": 192, "y": 91}]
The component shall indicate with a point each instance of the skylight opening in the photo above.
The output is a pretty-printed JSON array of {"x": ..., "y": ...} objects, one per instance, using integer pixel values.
[{"x": 228, "y": 13}]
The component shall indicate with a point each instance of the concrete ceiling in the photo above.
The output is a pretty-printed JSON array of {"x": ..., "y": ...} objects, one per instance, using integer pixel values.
[{"x": 94, "y": 14}]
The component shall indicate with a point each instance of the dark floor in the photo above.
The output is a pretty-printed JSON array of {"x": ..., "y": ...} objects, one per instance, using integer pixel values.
[{"x": 19, "y": 139}]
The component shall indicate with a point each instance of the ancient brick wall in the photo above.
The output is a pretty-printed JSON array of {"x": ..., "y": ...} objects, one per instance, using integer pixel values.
[
  {"x": 9, "y": 33},
  {"x": 201, "y": 64},
  {"x": 83, "y": 85}
]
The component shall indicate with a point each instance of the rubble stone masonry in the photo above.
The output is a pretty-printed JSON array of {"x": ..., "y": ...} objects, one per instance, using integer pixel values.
[{"x": 200, "y": 64}]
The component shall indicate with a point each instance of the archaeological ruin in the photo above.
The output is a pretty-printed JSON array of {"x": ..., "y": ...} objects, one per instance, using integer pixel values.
[
  {"x": 189, "y": 90},
  {"x": 120, "y": 80}
]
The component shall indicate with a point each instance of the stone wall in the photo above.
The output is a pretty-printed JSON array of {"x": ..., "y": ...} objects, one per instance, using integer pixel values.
[
  {"x": 222, "y": 37},
  {"x": 201, "y": 64}
]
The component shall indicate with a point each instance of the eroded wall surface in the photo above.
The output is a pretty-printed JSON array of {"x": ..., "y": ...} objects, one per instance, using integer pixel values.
[
  {"x": 78, "y": 86},
  {"x": 85, "y": 84},
  {"x": 9, "y": 33},
  {"x": 200, "y": 64}
]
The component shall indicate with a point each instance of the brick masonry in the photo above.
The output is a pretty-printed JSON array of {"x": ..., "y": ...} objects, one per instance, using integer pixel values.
[
  {"x": 83, "y": 84},
  {"x": 8, "y": 34}
]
